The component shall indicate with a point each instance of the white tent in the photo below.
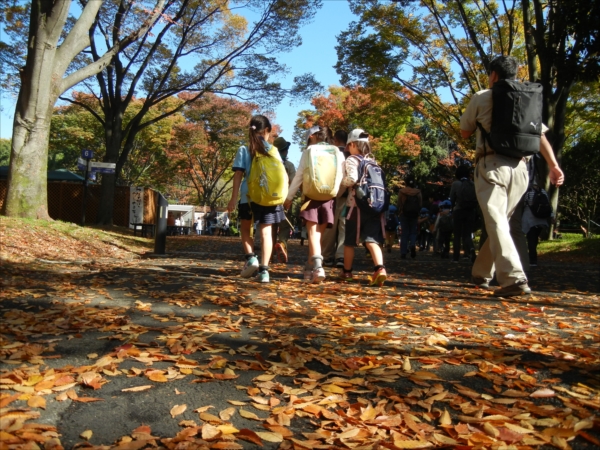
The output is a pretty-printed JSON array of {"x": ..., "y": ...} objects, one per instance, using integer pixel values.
[{"x": 184, "y": 212}]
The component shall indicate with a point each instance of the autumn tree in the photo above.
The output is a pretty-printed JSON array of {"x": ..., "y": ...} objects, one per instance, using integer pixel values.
[
  {"x": 47, "y": 63},
  {"x": 199, "y": 47},
  {"x": 75, "y": 127},
  {"x": 442, "y": 50},
  {"x": 379, "y": 112},
  {"x": 206, "y": 144}
]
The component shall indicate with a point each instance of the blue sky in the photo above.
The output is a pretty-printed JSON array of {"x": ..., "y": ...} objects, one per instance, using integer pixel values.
[{"x": 316, "y": 55}]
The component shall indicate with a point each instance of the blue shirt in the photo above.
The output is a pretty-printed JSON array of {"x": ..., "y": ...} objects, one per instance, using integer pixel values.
[{"x": 243, "y": 162}]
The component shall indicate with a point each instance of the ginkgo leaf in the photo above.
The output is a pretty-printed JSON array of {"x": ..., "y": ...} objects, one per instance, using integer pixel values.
[{"x": 177, "y": 410}]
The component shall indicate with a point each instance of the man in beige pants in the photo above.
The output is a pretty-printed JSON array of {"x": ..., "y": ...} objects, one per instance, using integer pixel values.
[{"x": 500, "y": 182}]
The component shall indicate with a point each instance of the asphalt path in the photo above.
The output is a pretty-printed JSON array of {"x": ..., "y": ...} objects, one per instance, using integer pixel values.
[{"x": 199, "y": 283}]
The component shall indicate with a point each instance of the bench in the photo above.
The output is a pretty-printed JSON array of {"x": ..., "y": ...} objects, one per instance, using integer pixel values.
[{"x": 144, "y": 228}]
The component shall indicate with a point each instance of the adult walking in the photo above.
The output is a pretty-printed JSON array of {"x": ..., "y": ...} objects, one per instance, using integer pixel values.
[
  {"x": 464, "y": 203},
  {"x": 410, "y": 202},
  {"x": 500, "y": 182}
]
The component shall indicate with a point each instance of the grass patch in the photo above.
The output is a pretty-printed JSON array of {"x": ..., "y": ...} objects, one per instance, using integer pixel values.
[
  {"x": 28, "y": 239},
  {"x": 571, "y": 248}
]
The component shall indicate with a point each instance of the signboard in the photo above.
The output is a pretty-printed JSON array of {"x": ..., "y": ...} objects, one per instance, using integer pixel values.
[
  {"x": 136, "y": 205},
  {"x": 82, "y": 164},
  {"x": 101, "y": 167},
  {"x": 87, "y": 154}
]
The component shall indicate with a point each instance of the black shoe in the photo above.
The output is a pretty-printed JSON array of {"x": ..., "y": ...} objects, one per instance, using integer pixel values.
[
  {"x": 339, "y": 263},
  {"x": 413, "y": 252},
  {"x": 329, "y": 262}
]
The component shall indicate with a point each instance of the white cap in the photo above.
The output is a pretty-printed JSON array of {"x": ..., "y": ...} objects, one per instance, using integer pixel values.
[
  {"x": 355, "y": 136},
  {"x": 312, "y": 130}
]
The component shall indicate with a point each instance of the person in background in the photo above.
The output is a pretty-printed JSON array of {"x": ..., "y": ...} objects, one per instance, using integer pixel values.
[
  {"x": 196, "y": 226},
  {"x": 410, "y": 203},
  {"x": 391, "y": 227},
  {"x": 424, "y": 223},
  {"x": 443, "y": 228},
  {"x": 464, "y": 212},
  {"x": 532, "y": 225},
  {"x": 333, "y": 238},
  {"x": 283, "y": 231}
]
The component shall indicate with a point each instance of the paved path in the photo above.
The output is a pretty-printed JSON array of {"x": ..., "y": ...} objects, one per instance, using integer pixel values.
[{"x": 188, "y": 326}]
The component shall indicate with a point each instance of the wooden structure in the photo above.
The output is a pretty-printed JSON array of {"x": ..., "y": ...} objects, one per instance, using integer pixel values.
[{"x": 65, "y": 202}]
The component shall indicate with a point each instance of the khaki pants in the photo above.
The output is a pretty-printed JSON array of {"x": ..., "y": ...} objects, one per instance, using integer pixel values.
[
  {"x": 500, "y": 183},
  {"x": 332, "y": 240}
]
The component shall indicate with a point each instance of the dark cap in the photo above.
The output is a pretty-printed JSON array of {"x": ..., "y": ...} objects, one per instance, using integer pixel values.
[{"x": 281, "y": 144}]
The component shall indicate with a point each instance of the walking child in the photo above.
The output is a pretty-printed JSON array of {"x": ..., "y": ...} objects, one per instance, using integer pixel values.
[
  {"x": 266, "y": 179},
  {"x": 320, "y": 174},
  {"x": 362, "y": 224}
]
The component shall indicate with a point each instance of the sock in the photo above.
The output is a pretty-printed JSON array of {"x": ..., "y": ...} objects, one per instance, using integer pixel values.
[
  {"x": 381, "y": 266},
  {"x": 317, "y": 261},
  {"x": 249, "y": 255},
  {"x": 348, "y": 270},
  {"x": 263, "y": 268}
]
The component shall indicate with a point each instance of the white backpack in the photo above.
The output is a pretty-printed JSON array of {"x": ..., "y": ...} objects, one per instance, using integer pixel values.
[{"x": 323, "y": 173}]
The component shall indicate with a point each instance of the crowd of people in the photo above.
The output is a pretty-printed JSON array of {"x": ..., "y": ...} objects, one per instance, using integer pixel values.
[{"x": 345, "y": 202}]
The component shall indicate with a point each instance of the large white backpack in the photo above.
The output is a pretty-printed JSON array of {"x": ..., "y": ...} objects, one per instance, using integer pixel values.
[{"x": 323, "y": 173}]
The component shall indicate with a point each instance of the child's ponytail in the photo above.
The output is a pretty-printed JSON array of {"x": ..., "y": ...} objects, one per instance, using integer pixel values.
[{"x": 258, "y": 125}]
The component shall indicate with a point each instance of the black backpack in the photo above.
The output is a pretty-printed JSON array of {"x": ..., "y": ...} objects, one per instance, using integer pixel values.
[
  {"x": 371, "y": 194},
  {"x": 516, "y": 118},
  {"x": 391, "y": 221},
  {"x": 466, "y": 197},
  {"x": 446, "y": 224},
  {"x": 411, "y": 206},
  {"x": 540, "y": 204}
]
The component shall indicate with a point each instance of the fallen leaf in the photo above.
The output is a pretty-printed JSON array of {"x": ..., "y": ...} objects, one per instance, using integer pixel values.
[
  {"x": 87, "y": 435},
  {"x": 137, "y": 388},
  {"x": 177, "y": 410},
  {"x": 248, "y": 415}
]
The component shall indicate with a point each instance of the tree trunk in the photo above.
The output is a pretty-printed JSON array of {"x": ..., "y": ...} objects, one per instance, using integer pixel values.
[
  {"x": 113, "y": 135},
  {"x": 27, "y": 194}
]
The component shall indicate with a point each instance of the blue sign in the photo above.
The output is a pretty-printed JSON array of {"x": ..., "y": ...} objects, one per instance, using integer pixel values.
[{"x": 87, "y": 154}]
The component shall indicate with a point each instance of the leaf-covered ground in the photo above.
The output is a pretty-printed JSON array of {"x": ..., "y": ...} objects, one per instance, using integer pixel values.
[{"x": 122, "y": 350}]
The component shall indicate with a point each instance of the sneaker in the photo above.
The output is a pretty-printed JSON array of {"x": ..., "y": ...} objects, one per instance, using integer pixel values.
[
  {"x": 481, "y": 283},
  {"x": 281, "y": 252},
  {"x": 413, "y": 252},
  {"x": 473, "y": 255},
  {"x": 262, "y": 277},
  {"x": 378, "y": 277},
  {"x": 339, "y": 263},
  {"x": 250, "y": 267},
  {"x": 513, "y": 290},
  {"x": 317, "y": 275},
  {"x": 346, "y": 276},
  {"x": 329, "y": 262}
]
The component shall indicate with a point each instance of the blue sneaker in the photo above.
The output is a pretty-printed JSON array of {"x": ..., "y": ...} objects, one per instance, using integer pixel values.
[
  {"x": 262, "y": 277},
  {"x": 250, "y": 267}
]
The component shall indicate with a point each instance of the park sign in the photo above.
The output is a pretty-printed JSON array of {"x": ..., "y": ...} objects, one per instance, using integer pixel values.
[
  {"x": 102, "y": 167},
  {"x": 99, "y": 167}
]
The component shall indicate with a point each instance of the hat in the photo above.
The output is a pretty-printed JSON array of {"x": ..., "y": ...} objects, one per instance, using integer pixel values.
[
  {"x": 312, "y": 130},
  {"x": 446, "y": 204},
  {"x": 355, "y": 135},
  {"x": 424, "y": 211},
  {"x": 281, "y": 144}
]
